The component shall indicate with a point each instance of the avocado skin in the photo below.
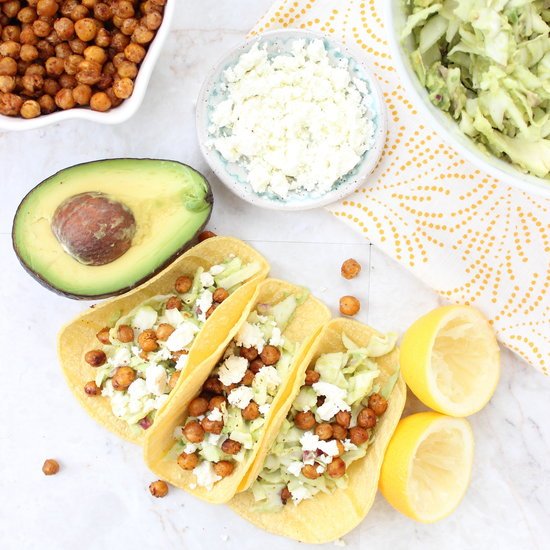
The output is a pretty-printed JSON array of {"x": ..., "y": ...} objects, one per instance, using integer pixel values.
[{"x": 209, "y": 199}]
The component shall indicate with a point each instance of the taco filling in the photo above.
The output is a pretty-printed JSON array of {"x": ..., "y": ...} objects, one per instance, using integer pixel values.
[
  {"x": 330, "y": 425},
  {"x": 227, "y": 418},
  {"x": 141, "y": 357}
]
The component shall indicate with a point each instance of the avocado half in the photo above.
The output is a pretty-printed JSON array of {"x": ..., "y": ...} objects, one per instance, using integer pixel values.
[{"x": 164, "y": 206}]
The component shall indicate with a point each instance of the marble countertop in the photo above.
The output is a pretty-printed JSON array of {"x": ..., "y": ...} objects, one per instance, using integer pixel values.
[{"x": 100, "y": 499}]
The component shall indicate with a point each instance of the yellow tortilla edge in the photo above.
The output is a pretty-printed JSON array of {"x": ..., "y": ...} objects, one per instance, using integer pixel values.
[
  {"x": 78, "y": 336},
  {"x": 327, "y": 517},
  {"x": 304, "y": 327}
]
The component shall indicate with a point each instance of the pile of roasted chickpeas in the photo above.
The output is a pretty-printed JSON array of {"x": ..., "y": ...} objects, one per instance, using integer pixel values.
[{"x": 62, "y": 54}]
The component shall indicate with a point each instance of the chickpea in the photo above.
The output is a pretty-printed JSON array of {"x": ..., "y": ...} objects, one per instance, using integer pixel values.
[
  {"x": 229, "y": 389},
  {"x": 212, "y": 426},
  {"x": 79, "y": 12},
  {"x": 101, "y": 102},
  {"x": 159, "y": 488},
  {"x": 95, "y": 54},
  {"x": 164, "y": 331},
  {"x": 47, "y": 8},
  {"x": 224, "y": 468},
  {"x": 119, "y": 41},
  {"x": 231, "y": 447},
  {"x": 198, "y": 406},
  {"x": 324, "y": 431},
  {"x": 7, "y": 84},
  {"x": 82, "y": 94},
  {"x": 350, "y": 269},
  {"x": 127, "y": 69},
  {"x": 183, "y": 284},
  {"x": 134, "y": 52},
  {"x": 122, "y": 378},
  {"x": 27, "y": 15},
  {"x": 338, "y": 431},
  {"x": 77, "y": 46},
  {"x": 67, "y": 6},
  {"x": 358, "y": 435},
  {"x": 89, "y": 72},
  {"x": 216, "y": 402},
  {"x": 89, "y": 3},
  {"x": 337, "y": 468},
  {"x": 41, "y": 28},
  {"x": 270, "y": 355},
  {"x": 220, "y": 294},
  {"x": 123, "y": 89},
  {"x": 152, "y": 20},
  {"x": 36, "y": 69},
  {"x": 71, "y": 63},
  {"x": 378, "y": 404},
  {"x": 63, "y": 51},
  {"x": 193, "y": 432},
  {"x": 95, "y": 358},
  {"x": 51, "y": 87},
  {"x": 305, "y": 420},
  {"x": 248, "y": 378},
  {"x": 92, "y": 389},
  {"x": 123, "y": 9},
  {"x": 142, "y": 35},
  {"x": 103, "y": 38},
  {"x": 147, "y": 340},
  {"x": 310, "y": 471},
  {"x": 68, "y": 81},
  {"x": 349, "y": 305},
  {"x": 47, "y": 104},
  {"x": 286, "y": 495},
  {"x": 312, "y": 377},
  {"x": 10, "y": 48},
  {"x": 256, "y": 365},
  {"x": 8, "y": 67},
  {"x": 11, "y": 8},
  {"x": 64, "y": 28},
  {"x": 28, "y": 52},
  {"x": 128, "y": 26},
  {"x": 251, "y": 411},
  {"x": 30, "y": 109},
  {"x": 125, "y": 334},
  {"x": 86, "y": 29},
  {"x": 11, "y": 32},
  {"x": 50, "y": 467},
  {"x": 55, "y": 66},
  {"x": 213, "y": 385},
  {"x": 27, "y": 36},
  {"x": 248, "y": 353},
  {"x": 102, "y": 11},
  {"x": 174, "y": 303},
  {"x": 45, "y": 50},
  {"x": 366, "y": 418},
  {"x": 173, "y": 380},
  {"x": 343, "y": 418},
  {"x": 188, "y": 461}
]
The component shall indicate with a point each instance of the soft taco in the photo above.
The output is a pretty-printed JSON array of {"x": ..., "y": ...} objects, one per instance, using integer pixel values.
[
  {"x": 207, "y": 438},
  {"x": 124, "y": 357},
  {"x": 330, "y": 437}
]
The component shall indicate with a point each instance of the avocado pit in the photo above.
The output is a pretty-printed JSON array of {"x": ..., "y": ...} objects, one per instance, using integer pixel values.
[{"x": 93, "y": 228}]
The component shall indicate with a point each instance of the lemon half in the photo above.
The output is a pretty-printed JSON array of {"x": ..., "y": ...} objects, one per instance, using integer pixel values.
[
  {"x": 427, "y": 466},
  {"x": 450, "y": 360}
]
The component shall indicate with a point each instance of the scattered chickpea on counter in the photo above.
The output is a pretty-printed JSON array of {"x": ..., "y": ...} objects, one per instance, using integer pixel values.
[
  {"x": 50, "y": 467},
  {"x": 159, "y": 488}
]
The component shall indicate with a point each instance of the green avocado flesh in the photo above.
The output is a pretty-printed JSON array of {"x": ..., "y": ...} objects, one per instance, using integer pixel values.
[{"x": 170, "y": 203}]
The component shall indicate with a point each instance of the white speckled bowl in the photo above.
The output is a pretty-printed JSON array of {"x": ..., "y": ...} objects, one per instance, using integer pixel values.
[
  {"x": 232, "y": 177},
  {"x": 119, "y": 114}
]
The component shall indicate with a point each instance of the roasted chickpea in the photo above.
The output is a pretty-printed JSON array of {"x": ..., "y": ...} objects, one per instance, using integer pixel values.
[
  {"x": 95, "y": 54},
  {"x": 358, "y": 435},
  {"x": 312, "y": 377},
  {"x": 11, "y": 32},
  {"x": 248, "y": 378},
  {"x": 256, "y": 365},
  {"x": 339, "y": 432},
  {"x": 350, "y": 269},
  {"x": 366, "y": 418},
  {"x": 95, "y": 358},
  {"x": 7, "y": 84},
  {"x": 89, "y": 72},
  {"x": 101, "y": 102},
  {"x": 64, "y": 28},
  {"x": 251, "y": 411},
  {"x": 193, "y": 432},
  {"x": 79, "y": 13},
  {"x": 82, "y": 94},
  {"x": 51, "y": 87},
  {"x": 152, "y": 20},
  {"x": 213, "y": 385},
  {"x": 123, "y": 89},
  {"x": 77, "y": 46},
  {"x": 36, "y": 69},
  {"x": 11, "y": 8},
  {"x": 128, "y": 26},
  {"x": 286, "y": 495},
  {"x": 123, "y": 9},
  {"x": 27, "y": 15},
  {"x": 27, "y": 36},
  {"x": 220, "y": 294},
  {"x": 349, "y": 305},
  {"x": 8, "y": 67},
  {"x": 224, "y": 468},
  {"x": 103, "y": 38},
  {"x": 147, "y": 340},
  {"x": 68, "y": 81},
  {"x": 125, "y": 334},
  {"x": 10, "y": 48},
  {"x": 134, "y": 52},
  {"x": 67, "y": 6},
  {"x": 343, "y": 418},
  {"x": 119, "y": 42},
  {"x": 47, "y": 104},
  {"x": 212, "y": 426},
  {"x": 206, "y": 235},
  {"x": 324, "y": 431},
  {"x": 270, "y": 355},
  {"x": 188, "y": 461},
  {"x": 55, "y": 66},
  {"x": 198, "y": 406},
  {"x": 45, "y": 50},
  {"x": 305, "y": 420},
  {"x": 86, "y": 29},
  {"x": 174, "y": 303},
  {"x": 142, "y": 35},
  {"x": 231, "y": 447},
  {"x": 127, "y": 69},
  {"x": 50, "y": 467},
  {"x": 159, "y": 488},
  {"x": 102, "y": 11},
  {"x": 248, "y": 353},
  {"x": 92, "y": 389},
  {"x": 216, "y": 402},
  {"x": 173, "y": 380},
  {"x": 337, "y": 468},
  {"x": 310, "y": 471},
  {"x": 123, "y": 377},
  {"x": 164, "y": 331},
  {"x": 63, "y": 50},
  {"x": 47, "y": 8},
  {"x": 183, "y": 284},
  {"x": 30, "y": 109},
  {"x": 28, "y": 52},
  {"x": 41, "y": 28},
  {"x": 378, "y": 404}
]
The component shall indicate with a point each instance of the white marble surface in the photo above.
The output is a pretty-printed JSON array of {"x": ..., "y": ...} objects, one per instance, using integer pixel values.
[{"x": 99, "y": 499}]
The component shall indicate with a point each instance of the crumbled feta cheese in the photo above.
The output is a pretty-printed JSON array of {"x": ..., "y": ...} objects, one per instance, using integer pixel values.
[
  {"x": 295, "y": 468},
  {"x": 108, "y": 390},
  {"x": 182, "y": 336},
  {"x": 276, "y": 338},
  {"x": 205, "y": 475},
  {"x": 240, "y": 397},
  {"x": 264, "y": 409},
  {"x": 161, "y": 400},
  {"x": 216, "y": 270},
  {"x": 330, "y": 448},
  {"x": 309, "y": 441},
  {"x": 155, "y": 379},
  {"x": 190, "y": 448},
  {"x": 250, "y": 336},
  {"x": 119, "y": 403},
  {"x": 120, "y": 358},
  {"x": 135, "y": 350},
  {"x": 300, "y": 493},
  {"x": 215, "y": 415},
  {"x": 163, "y": 354},
  {"x": 348, "y": 445},
  {"x": 215, "y": 439},
  {"x": 313, "y": 119},
  {"x": 269, "y": 377},
  {"x": 145, "y": 318},
  {"x": 173, "y": 317},
  {"x": 203, "y": 304},
  {"x": 320, "y": 469},
  {"x": 206, "y": 279},
  {"x": 138, "y": 389},
  {"x": 334, "y": 400},
  {"x": 182, "y": 361},
  {"x": 232, "y": 370}
]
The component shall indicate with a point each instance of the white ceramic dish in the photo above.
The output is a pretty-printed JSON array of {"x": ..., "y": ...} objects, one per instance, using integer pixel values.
[
  {"x": 442, "y": 123},
  {"x": 117, "y": 115},
  {"x": 348, "y": 183}
]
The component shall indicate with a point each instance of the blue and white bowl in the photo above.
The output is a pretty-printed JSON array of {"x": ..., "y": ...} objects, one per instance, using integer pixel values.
[{"x": 233, "y": 175}]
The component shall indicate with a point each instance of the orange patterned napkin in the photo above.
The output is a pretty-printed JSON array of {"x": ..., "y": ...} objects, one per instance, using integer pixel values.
[{"x": 473, "y": 239}]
